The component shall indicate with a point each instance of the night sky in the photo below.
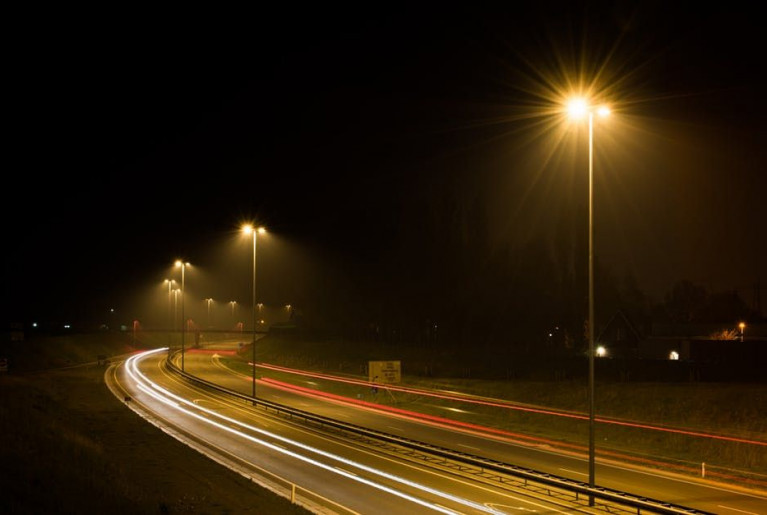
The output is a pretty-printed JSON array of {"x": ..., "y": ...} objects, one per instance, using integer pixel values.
[{"x": 379, "y": 144}]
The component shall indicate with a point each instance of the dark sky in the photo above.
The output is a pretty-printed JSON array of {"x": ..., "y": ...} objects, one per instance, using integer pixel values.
[{"x": 367, "y": 134}]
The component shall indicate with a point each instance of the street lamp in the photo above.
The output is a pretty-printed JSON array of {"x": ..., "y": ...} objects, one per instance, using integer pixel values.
[
  {"x": 249, "y": 229},
  {"x": 208, "y": 301},
  {"x": 175, "y": 307},
  {"x": 170, "y": 282},
  {"x": 578, "y": 108},
  {"x": 182, "y": 265}
]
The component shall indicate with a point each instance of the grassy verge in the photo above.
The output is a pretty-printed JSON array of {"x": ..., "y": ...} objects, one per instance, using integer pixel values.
[{"x": 69, "y": 446}]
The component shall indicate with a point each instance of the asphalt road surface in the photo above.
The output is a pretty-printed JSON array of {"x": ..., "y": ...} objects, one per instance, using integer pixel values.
[{"x": 349, "y": 477}]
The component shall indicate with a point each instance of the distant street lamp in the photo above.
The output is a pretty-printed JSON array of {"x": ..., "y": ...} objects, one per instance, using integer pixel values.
[
  {"x": 182, "y": 265},
  {"x": 742, "y": 327},
  {"x": 170, "y": 282},
  {"x": 208, "y": 301},
  {"x": 578, "y": 108},
  {"x": 249, "y": 229},
  {"x": 175, "y": 307}
]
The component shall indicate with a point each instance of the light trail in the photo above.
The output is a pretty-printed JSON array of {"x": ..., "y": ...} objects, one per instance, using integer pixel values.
[
  {"x": 511, "y": 406},
  {"x": 413, "y": 415},
  {"x": 485, "y": 431},
  {"x": 176, "y": 402}
]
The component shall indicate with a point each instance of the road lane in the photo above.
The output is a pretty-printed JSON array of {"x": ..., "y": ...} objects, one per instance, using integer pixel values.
[
  {"x": 651, "y": 483},
  {"x": 363, "y": 480}
]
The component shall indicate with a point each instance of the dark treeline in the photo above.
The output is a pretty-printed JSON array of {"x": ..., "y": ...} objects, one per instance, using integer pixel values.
[{"x": 532, "y": 297}]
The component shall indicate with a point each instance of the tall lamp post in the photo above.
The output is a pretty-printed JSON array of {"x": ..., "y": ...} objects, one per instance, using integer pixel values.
[
  {"x": 182, "y": 265},
  {"x": 578, "y": 108},
  {"x": 170, "y": 282},
  {"x": 175, "y": 307},
  {"x": 209, "y": 301},
  {"x": 249, "y": 229}
]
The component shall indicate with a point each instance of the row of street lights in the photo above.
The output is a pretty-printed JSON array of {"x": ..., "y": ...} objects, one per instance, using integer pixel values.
[
  {"x": 577, "y": 109},
  {"x": 173, "y": 313},
  {"x": 247, "y": 229}
]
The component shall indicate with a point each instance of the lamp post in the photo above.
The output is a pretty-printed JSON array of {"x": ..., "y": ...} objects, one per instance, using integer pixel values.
[
  {"x": 249, "y": 229},
  {"x": 175, "y": 307},
  {"x": 208, "y": 301},
  {"x": 577, "y": 108},
  {"x": 182, "y": 265},
  {"x": 170, "y": 282}
]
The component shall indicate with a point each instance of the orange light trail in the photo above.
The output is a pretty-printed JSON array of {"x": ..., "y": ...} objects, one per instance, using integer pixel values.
[{"x": 212, "y": 351}]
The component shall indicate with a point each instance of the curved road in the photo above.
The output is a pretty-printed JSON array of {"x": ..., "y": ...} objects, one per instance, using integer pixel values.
[
  {"x": 348, "y": 491},
  {"x": 331, "y": 475}
]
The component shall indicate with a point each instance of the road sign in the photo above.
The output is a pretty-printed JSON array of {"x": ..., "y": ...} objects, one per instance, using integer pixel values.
[{"x": 384, "y": 372}]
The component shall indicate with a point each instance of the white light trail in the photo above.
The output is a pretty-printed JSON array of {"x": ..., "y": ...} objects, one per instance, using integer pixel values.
[{"x": 178, "y": 403}]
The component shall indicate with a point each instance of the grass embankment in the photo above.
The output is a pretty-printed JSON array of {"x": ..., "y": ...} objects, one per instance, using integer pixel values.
[
  {"x": 69, "y": 446},
  {"x": 735, "y": 410}
]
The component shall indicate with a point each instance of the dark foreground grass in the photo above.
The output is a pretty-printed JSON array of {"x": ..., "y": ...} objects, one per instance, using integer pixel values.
[{"x": 67, "y": 445}]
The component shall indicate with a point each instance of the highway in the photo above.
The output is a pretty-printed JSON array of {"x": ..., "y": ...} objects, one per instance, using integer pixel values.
[{"x": 252, "y": 440}]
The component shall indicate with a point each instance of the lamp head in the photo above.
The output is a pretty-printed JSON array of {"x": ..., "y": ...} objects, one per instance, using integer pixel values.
[{"x": 579, "y": 107}]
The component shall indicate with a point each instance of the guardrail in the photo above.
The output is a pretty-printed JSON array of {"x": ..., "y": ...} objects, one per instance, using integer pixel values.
[{"x": 577, "y": 488}]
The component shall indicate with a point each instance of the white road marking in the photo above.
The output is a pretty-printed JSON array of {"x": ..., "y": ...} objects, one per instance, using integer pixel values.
[
  {"x": 574, "y": 472},
  {"x": 506, "y": 507},
  {"x": 346, "y": 472},
  {"x": 735, "y": 509}
]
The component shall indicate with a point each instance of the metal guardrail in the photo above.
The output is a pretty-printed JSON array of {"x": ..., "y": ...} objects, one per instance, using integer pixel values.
[{"x": 578, "y": 488}]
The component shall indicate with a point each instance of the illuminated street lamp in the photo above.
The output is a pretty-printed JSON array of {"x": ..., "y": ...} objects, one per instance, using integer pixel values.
[
  {"x": 175, "y": 307},
  {"x": 249, "y": 229},
  {"x": 208, "y": 301},
  {"x": 170, "y": 282},
  {"x": 742, "y": 327},
  {"x": 182, "y": 265},
  {"x": 578, "y": 108}
]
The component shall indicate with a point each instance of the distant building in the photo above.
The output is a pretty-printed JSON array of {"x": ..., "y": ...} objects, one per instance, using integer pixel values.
[
  {"x": 700, "y": 351},
  {"x": 620, "y": 337}
]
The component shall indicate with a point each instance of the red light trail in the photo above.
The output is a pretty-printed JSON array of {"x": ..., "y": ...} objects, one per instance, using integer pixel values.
[{"x": 512, "y": 406}]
